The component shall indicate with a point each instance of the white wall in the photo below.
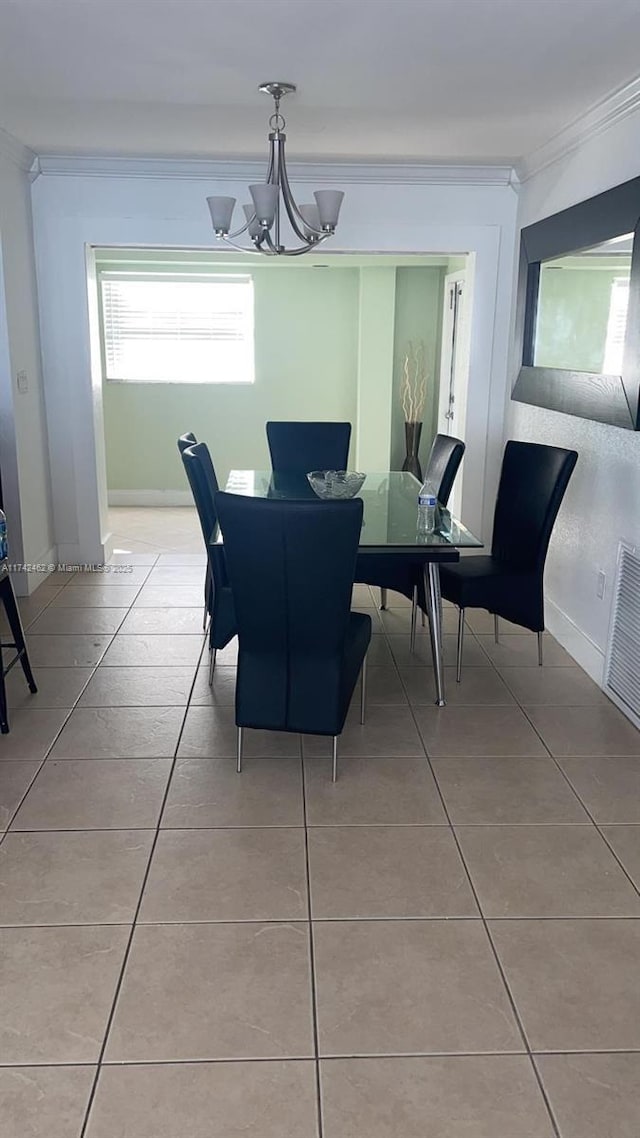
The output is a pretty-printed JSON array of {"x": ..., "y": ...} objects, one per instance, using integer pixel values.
[
  {"x": 166, "y": 207},
  {"x": 23, "y": 436},
  {"x": 602, "y": 505}
]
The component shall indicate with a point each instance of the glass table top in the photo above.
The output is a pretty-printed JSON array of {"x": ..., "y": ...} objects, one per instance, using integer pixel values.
[{"x": 390, "y": 508}]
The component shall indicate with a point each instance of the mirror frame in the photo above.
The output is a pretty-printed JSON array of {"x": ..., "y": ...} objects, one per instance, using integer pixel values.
[{"x": 612, "y": 399}]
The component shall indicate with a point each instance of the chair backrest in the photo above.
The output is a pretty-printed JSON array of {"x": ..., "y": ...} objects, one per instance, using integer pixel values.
[
  {"x": 204, "y": 484},
  {"x": 300, "y": 447},
  {"x": 291, "y": 567},
  {"x": 442, "y": 467},
  {"x": 533, "y": 480},
  {"x": 186, "y": 440}
]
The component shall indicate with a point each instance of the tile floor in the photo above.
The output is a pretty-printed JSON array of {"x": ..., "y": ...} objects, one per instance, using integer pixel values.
[{"x": 446, "y": 943}]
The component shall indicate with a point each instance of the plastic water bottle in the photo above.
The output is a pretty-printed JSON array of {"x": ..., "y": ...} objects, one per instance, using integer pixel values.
[
  {"x": 427, "y": 501},
  {"x": 4, "y": 552}
]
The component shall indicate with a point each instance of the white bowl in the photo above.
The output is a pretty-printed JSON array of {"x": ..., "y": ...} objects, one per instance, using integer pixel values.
[{"x": 336, "y": 483}]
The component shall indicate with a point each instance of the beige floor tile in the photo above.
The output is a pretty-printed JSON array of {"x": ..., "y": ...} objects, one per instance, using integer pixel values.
[
  {"x": 421, "y": 656},
  {"x": 383, "y": 686},
  {"x": 148, "y": 559},
  {"x": 609, "y": 787},
  {"x": 472, "y": 732},
  {"x": 227, "y": 657},
  {"x": 546, "y": 871},
  {"x": 153, "y": 650},
  {"x": 138, "y": 687},
  {"x": 170, "y": 596},
  {"x": 31, "y": 607},
  {"x": 362, "y": 595},
  {"x": 475, "y": 1096},
  {"x": 57, "y": 687},
  {"x": 44, "y": 1102},
  {"x": 575, "y": 983},
  {"x": 77, "y": 650},
  {"x": 387, "y": 871},
  {"x": 394, "y": 600},
  {"x": 494, "y": 791},
  {"x": 387, "y": 731},
  {"x": 120, "y": 575},
  {"x": 522, "y": 651},
  {"x": 478, "y": 687},
  {"x": 397, "y": 987},
  {"x": 103, "y": 794},
  {"x": 553, "y": 687},
  {"x": 142, "y": 622},
  {"x": 372, "y": 792},
  {"x": 72, "y": 878},
  {"x": 480, "y": 621},
  {"x": 625, "y": 842},
  {"x": 56, "y": 990},
  {"x": 59, "y": 621},
  {"x": 209, "y": 792},
  {"x": 227, "y": 875},
  {"x": 206, "y": 1100},
  {"x": 374, "y": 615},
  {"x": 222, "y": 693},
  {"x": 379, "y": 652},
  {"x": 183, "y": 575},
  {"x": 593, "y": 1096},
  {"x": 397, "y": 622},
  {"x": 184, "y": 559},
  {"x": 210, "y": 732},
  {"x": 216, "y": 991},
  {"x": 586, "y": 731},
  {"x": 15, "y": 779},
  {"x": 96, "y": 596},
  {"x": 31, "y": 733},
  {"x": 119, "y": 733}
]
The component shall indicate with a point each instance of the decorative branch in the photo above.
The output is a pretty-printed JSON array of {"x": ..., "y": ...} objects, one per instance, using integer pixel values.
[{"x": 413, "y": 388}]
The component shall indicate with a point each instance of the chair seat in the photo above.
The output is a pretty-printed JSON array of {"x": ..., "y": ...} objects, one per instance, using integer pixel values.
[
  {"x": 489, "y": 583},
  {"x": 388, "y": 572}
]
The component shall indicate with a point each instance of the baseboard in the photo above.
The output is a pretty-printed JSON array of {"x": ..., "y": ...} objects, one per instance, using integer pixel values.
[
  {"x": 150, "y": 498},
  {"x": 26, "y": 581},
  {"x": 575, "y": 641}
]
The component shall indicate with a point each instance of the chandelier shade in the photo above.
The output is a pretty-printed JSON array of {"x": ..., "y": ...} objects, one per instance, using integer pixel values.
[{"x": 272, "y": 199}]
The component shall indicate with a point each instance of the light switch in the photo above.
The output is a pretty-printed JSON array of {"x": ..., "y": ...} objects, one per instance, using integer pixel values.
[{"x": 23, "y": 382}]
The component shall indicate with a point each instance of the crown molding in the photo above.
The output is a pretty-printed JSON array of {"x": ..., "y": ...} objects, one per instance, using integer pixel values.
[
  {"x": 218, "y": 170},
  {"x": 19, "y": 154},
  {"x": 600, "y": 117}
]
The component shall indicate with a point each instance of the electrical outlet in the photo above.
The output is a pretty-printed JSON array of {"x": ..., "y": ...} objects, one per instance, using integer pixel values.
[
  {"x": 23, "y": 382},
  {"x": 600, "y": 587}
]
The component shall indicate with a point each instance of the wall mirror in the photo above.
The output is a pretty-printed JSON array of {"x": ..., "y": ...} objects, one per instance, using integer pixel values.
[{"x": 579, "y": 310}]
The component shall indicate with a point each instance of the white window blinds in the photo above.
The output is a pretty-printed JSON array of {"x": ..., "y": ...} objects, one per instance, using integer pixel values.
[{"x": 163, "y": 328}]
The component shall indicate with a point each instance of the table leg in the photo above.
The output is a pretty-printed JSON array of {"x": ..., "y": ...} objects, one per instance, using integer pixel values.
[{"x": 434, "y": 605}]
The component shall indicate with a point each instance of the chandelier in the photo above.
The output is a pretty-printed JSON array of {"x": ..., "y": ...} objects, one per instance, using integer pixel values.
[{"x": 310, "y": 223}]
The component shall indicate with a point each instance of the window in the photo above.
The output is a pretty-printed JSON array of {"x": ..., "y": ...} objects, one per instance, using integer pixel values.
[
  {"x": 172, "y": 328},
  {"x": 616, "y": 327}
]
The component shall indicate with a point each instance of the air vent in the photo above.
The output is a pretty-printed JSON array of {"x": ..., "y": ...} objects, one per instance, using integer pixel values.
[{"x": 622, "y": 670}]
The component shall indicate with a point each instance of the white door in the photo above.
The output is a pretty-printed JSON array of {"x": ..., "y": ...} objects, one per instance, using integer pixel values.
[{"x": 454, "y": 368}]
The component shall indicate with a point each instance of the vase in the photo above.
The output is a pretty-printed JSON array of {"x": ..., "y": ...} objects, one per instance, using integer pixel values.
[{"x": 412, "y": 432}]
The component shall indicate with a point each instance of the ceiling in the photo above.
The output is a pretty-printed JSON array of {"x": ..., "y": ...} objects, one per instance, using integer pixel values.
[{"x": 379, "y": 80}]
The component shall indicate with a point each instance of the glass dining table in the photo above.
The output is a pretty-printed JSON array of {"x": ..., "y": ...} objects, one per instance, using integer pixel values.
[{"x": 390, "y": 500}]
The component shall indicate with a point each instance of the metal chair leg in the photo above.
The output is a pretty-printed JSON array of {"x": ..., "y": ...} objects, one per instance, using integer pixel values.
[
  {"x": 239, "y": 759},
  {"x": 414, "y": 615},
  {"x": 424, "y": 617},
  {"x": 383, "y": 599},
  {"x": 496, "y": 629},
  {"x": 204, "y": 618},
  {"x": 540, "y": 661},
  {"x": 334, "y": 764},
  {"x": 460, "y": 644},
  {"x": 212, "y": 664},
  {"x": 363, "y": 689}
]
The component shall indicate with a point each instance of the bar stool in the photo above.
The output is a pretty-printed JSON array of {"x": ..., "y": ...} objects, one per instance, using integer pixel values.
[{"x": 8, "y": 599}]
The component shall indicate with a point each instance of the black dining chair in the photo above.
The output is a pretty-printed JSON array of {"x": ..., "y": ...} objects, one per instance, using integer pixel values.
[
  {"x": 186, "y": 440},
  {"x": 204, "y": 485},
  {"x": 300, "y": 653},
  {"x": 298, "y": 447},
  {"x": 389, "y": 572},
  {"x": 509, "y": 581}
]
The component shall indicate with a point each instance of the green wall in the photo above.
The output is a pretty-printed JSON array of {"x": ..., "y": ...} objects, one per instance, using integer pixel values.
[
  {"x": 306, "y": 342},
  {"x": 418, "y": 316},
  {"x": 572, "y": 318},
  {"x": 312, "y": 326}
]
